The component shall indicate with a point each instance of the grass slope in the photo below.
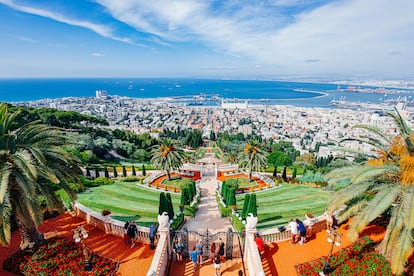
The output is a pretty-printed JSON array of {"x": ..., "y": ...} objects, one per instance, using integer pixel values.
[
  {"x": 127, "y": 201},
  {"x": 276, "y": 207}
]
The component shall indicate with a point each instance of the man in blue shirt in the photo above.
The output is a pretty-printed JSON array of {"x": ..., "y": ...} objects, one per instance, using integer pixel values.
[{"x": 194, "y": 258}]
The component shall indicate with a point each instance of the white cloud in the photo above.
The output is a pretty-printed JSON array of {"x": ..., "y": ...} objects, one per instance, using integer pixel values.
[{"x": 98, "y": 55}]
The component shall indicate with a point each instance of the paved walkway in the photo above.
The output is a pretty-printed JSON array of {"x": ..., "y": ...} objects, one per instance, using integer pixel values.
[{"x": 207, "y": 217}]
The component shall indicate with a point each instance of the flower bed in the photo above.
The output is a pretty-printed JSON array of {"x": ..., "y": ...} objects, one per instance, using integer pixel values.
[
  {"x": 360, "y": 258},
  {"x": 58, "y": 257}
]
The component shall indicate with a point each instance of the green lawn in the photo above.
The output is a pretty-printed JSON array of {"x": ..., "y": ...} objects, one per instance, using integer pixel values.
[
  {"x": 127, "y": 201},
  {"x": 277, "y": 206}
]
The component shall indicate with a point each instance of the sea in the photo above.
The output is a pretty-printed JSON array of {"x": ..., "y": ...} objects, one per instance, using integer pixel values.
[{"x": 199, "y": 91}]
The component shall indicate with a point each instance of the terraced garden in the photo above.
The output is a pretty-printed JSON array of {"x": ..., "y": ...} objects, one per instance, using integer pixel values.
[
  {"x": 126, "y": 201},
  {"x": 277, "y": 206}
]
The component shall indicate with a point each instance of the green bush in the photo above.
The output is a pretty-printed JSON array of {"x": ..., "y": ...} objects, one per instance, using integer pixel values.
[
  {"x": 103, "y": 181},
  {"x": 129, "y": 179}
]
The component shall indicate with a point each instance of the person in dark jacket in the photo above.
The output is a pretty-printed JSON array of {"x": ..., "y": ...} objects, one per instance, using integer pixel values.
[
  {"x": 302, "y": 231},
  {"x": 152, "y": 235},
  {"x": 132, "y": 232}
]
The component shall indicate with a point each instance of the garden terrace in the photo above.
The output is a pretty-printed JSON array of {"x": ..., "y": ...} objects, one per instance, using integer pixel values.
[
  {"x": 244, "y": 185},
  {"x": 277, "y": 206},
  {"x": 126, "y": 201}
]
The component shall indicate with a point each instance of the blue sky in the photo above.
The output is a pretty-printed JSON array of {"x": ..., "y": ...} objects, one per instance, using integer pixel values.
[{"x": 248, "y": 39}]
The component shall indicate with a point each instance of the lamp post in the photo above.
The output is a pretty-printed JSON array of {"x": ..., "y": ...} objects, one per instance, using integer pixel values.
[
  {"x": 334, "y": 237},
  {"x": 79, "y": 235}
]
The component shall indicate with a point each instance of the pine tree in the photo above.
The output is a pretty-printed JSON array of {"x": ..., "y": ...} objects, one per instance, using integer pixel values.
[
  {"x": 133, "y": 170},
  {"x": 170, "y": 206},
  {"x": 106, "y": 172},
  {"x": 115, "y": 172},
  {"x": 96, "y": 172},
  {"x": 88, "y": 172}
]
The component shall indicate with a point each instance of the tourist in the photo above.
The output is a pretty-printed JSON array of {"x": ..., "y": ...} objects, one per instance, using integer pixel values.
[
  {"x": 132, "y": 232},
  {"x": 293, "y": 226},
  {"x": 126, "y": 237},
  {"x": 178, "y": 249},
  {"x": 329, "y": 220},
  {"x": 194, "y": 258},
  {"x": 212, "y": 251},
  {"x": 259, "y": 242},
  {"x": 302, "y": 231},
  {"x": 217, "y": 265},
  {"x": 221, "y": 248},
  {"x": 199, "y": 248},
  {"x": 152, "y": 234}
]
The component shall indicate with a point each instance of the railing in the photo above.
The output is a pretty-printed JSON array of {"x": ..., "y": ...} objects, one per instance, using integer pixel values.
[
  {"x": 152, "y": 177},
  {"x": 192, "y": 167},
  {"x": 265, "y": 179},
  {"x": 228, "y": 167},
  {"x": 108, "y": 225},
  {"x": 275, "y": 235}
]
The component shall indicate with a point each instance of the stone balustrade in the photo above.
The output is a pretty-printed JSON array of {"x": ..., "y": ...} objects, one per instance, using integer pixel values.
[
  {"x": 108, "y": 225},
  {"x": 275, "y": 235}
]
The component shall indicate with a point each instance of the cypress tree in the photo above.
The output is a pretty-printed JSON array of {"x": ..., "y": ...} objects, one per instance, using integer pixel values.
[
  {"x": 245, "y": 205},
  {"x": 275, "y": 171},
  {"x": 106, "y": 172},
  {"x": 96, "y": 172},
  {"x": 295, "y": 171},
  {"x": 182, "y": 199},
  {"x": 170, "y": 206},
  {"x": 252, "y": 205},
  {"x": 163, "y": 205},
  {"x": 115, "y": 172},
  {"x": 124, "y": 173},
  {"x": 133, "y": 170},
  {"x": 284, "y": 174},
  {"x": 186, "y": 196},
  {"x": 191, "y": 191},
  {"x": 88, "y": 172},
  {"x": 231, "y": 197},
  {"x": 143, "y": 170}
]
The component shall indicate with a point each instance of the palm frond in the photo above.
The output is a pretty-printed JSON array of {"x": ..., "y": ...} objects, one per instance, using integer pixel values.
[
  {"x": 375, "y": 130},
  {"x": 341, "y": 197},
  {"x": 5, "y": 227},
  {"x": 382, "y": 200},
  {"x": 402, "y": 250}
]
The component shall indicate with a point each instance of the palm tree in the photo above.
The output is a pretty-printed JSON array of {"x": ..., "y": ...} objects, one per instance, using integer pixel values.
[
  {"x": 382, "y": 186},
  {"x": 167, "y": 157},
  {"x": 31, "y": 157},
  {"x": 252, "y": 157}
]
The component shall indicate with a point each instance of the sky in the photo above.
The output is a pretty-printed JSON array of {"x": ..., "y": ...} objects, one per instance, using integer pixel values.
[{"x": 238, "y": 39}]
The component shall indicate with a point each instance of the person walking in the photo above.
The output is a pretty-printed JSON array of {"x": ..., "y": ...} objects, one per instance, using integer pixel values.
[
  {"x": 259, "y": 242},
  {"x": 212, "y": 251},
  {"x": 221, "y": 248},
  {"x": 126, "y": 237},
  {"x": 199, "y": 248},
  {"x": 152, "y": 235},
  {"x": 178, "y": 249},
  {"x": 132, "y": 232},
  {"x": 302, "y": 231},
  {"x": 293, "y": 226},
  {"x": 329, "y": 220},
  {"x": 217, "y": 265},
  {"x": 194, "y": 258}
]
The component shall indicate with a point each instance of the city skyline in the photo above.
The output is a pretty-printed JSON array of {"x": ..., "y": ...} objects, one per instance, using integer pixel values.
[{"x": 280, "y": 39}]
